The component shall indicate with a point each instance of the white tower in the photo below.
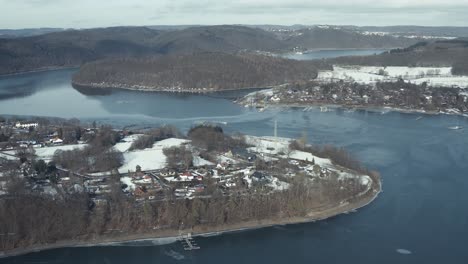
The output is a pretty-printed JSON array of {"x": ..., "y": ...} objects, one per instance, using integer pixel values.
[{"x": 275, "y": 132}]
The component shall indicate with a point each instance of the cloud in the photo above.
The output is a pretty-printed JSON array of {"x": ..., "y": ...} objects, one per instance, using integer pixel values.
[{"x": 91, "y": 13}]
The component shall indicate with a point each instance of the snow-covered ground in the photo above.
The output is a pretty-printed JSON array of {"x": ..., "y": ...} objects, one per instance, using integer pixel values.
[
  {"x": 128, "y": 181},
  {"x": 434, "y": 76},
  {"x": 8, "y": 156},
  {"x": 46, "y": 153},
  {"x": 126, "y": 143},
  {"x": 273, "y": 146},
  {"x": 199, "y": 161},
  {"x": 151, "y": 158},
  {"x": 268, "y": 145}
]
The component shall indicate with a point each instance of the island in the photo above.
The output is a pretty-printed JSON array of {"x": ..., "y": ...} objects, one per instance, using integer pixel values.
[{"x": 63, "y": 183}]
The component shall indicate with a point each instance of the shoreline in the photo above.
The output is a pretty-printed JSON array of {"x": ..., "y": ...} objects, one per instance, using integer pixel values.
[
  {"x": 369, "y": 108},
  {"x": 343, "y": 208},
  {"x": 207, "y": 92},
  {"x": 39, "y": 70},
  {"x": 203, "y": 91}
]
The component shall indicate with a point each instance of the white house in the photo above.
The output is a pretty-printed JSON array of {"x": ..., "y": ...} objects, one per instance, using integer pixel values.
[
  {"x": 26, "y": 125},
  {"x": 56, "y": 141}
]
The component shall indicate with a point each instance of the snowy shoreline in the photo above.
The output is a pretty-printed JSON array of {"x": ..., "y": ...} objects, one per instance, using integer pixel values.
[
  {"x": 371, "y": 108},
  {"x": 152, "y": 89}
]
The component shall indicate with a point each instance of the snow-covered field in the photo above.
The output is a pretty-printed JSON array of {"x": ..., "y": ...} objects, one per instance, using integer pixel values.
[
  {"x": 441, "y": 76},
  {"x": 151, "y": 158},
  {"x": 199, "y": 161},
  {"x": 126, "y": 143},
  {"x": 273, "y": 146},
  {"x": 47, "y": 153}
]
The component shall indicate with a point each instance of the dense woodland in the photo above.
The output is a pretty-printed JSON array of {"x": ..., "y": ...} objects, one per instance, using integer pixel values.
[
  {"x": 216, "y": 71},
  {"x": 72, "y": 48}
]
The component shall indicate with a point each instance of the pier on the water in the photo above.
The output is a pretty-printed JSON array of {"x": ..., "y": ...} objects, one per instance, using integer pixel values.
[{"x": 188, "y": 242}]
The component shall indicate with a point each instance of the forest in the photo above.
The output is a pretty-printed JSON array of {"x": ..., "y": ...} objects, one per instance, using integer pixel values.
[
  {"x": 212, "y": 71},
  {"x": 72, "y": 48}
]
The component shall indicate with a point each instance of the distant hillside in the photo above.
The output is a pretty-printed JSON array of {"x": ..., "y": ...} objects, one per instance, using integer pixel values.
[
  {"x": 75, "y": 47},
  {"x": 213, "y": 71},
  {"x": 335, "y": 38},
  {"x": 26, "y": 32},
  {"x": 72, "y": 48},
  {"x": 419, "y": 30},
  {"x": 218, "y": 39},
  {"x": 453, "y": 53}
]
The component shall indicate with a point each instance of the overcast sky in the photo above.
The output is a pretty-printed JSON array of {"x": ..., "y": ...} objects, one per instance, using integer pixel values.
[{"x": 103, "y": 13}]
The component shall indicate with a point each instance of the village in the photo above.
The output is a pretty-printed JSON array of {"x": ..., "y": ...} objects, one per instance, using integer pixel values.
[
  {"x": 370, "y": 87},
  {"x": 160, "y": 171}
]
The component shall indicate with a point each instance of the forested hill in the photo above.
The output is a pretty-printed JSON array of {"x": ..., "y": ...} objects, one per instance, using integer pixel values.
[
  {"x": 75, "y": 47},
  {"x": 453, "y": 53},
  {"x": 212, "y": 71}
]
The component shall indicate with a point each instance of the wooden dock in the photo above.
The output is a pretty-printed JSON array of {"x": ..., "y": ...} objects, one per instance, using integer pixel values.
[{"x": 188, "y": 242}]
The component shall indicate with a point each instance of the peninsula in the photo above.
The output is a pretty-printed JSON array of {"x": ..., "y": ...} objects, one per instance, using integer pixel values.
[
  {"x": 195, "y": 73},
  {"x": 66, "y": 184}
]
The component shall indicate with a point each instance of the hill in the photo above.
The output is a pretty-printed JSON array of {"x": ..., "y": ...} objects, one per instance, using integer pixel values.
[
  {"x": 339, "y": 38},
  {"x": 72, "y": 48},
  {"x": 201, "y": 72}
]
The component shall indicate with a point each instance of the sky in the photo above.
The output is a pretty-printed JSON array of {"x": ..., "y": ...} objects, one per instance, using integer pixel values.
[{"x": 15, "y": 14}]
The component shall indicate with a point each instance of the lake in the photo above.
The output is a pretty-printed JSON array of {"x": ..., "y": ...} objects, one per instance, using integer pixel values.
[
  {"x": 332, "y": 53},
  {"x": 420, "y": 217}
]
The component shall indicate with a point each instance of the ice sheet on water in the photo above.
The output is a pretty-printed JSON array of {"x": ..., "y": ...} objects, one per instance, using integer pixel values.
[
  {"x": 404, "y": 251},
  {"x": 174, "y": 254}
]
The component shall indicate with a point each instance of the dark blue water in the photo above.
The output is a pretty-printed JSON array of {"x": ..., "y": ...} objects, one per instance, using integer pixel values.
[
  {"x": 325, "y": 54},
  {"x": 424, "y": 167}
]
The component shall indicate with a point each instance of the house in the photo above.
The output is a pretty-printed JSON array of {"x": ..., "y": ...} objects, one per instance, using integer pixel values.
[
  {"x": 229, "y": 154},
  {"x": 56, "y": 141},
  {"x": 222, "y": 166},
  {"x": 185, "y": 177},
  {"x": 244, "y": 154},
  {"x": 258, "y": 176},
  {"x": 26, "y": 125},
  {"x": 230, "y": 184},
  {"x": 140, "y": 191},
  {"x": 275, "y": 99}
]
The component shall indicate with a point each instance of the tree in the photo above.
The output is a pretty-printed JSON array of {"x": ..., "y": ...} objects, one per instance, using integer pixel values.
[
  {"x": 25, "y": 154},
  {"x": 40, "y": 166}
]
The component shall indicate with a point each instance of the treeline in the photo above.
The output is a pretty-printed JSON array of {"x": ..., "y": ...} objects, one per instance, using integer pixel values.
[
  {"x": 216, "y": 71},
  {"x": 452, "y": 53},
  {"x": 339, "y": 156},
  {"x": 157, "y": 134},
  {"x": 75, "y": 47},
  {"x": 98, "y": 155},
  {"x": 36, "y": 220},
  {"x": 213, "y": 138}
]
